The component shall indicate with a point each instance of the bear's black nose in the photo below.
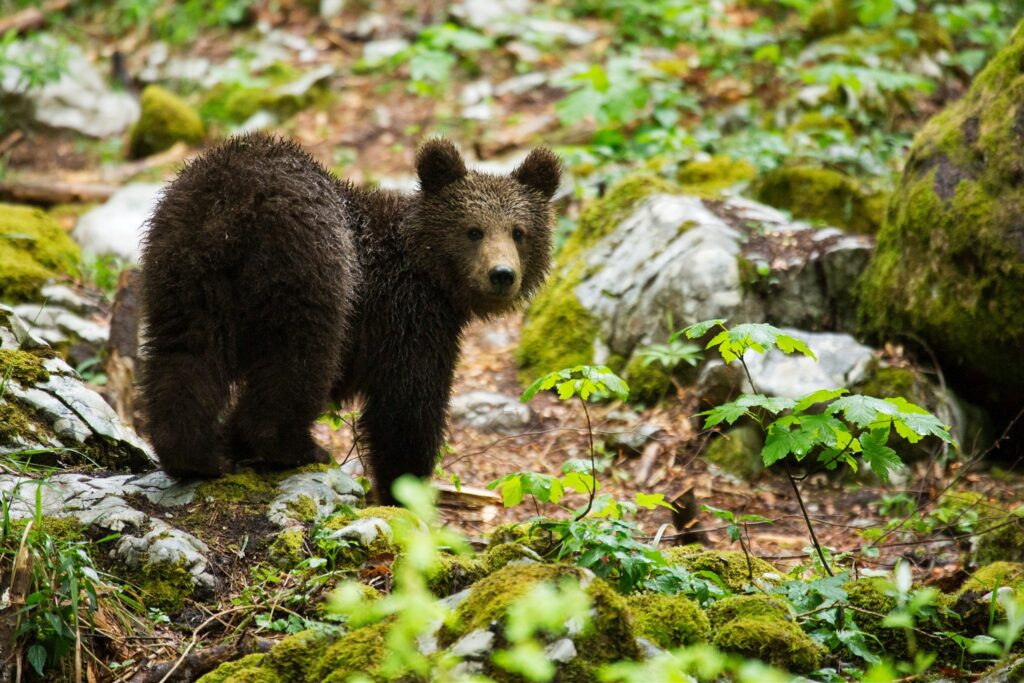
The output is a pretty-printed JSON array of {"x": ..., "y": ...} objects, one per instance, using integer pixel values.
[{"x": 502, "y": 277}]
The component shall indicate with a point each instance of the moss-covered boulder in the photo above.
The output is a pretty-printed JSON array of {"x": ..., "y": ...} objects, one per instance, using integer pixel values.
[
  {"x": 822, "y": 194},
  {"x": 33, "y": 249},
  {"x": 998, "y": 538},
  {"x": 669, "y": 621},
  {"x": 738, "y": 451},
  {"x": 760, "y": 627},
  {"x": 710, "y": 177},
  {"x": 949, "y": 264},
  {"x": 734, "y": 568},
  {"x": 165, "y": 120},
  {"x": 609, "y": 636},
  {"x": 653, "y": 256}
]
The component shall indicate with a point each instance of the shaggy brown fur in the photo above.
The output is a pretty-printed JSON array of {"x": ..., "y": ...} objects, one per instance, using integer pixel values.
[{"x": 270, "y": 286}]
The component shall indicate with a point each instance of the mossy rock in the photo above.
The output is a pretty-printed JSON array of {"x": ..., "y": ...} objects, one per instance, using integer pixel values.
[
  {"x": 248, "y": 669},
  {"x": 247, "y": 487},
  {"x": 609, "y": 636},
  {"x": 816, "y": 122},
  {"x": 903, "y": 40},
  {"x": 498, "y": 555},
  {"x": 730, "y": 565},
  {"x": 742, "y": 606},
  {"x": 669, "y": 621},
  {"x": 165, "y": 120},
  {"x": 534, "y": 537},
  {"x": 288, "y": 548},
  {"x": 455, "y": 573},
  {"x": 738, "y": 451},
  {"x": 830, "y": 17},
  {"x": 165, "y": 585},
  {"x": 649, "y": 382},
  {"x": 33, "y": 249},
  {"x": 558, "y": 332},
  {"x": 994, "y": 575},
  {"x": 709, "y": 178},
  {"x": 949, "y": 261},
  {"x": 822, "y": 194},
  {"x": 778, "y": 642},
  {"x": 998, "y": 538}
]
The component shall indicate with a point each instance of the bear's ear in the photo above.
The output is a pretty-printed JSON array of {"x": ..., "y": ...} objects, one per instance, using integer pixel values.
[
  {"x": 541, "y": 171},
  {"x": 439, "y": 164}
]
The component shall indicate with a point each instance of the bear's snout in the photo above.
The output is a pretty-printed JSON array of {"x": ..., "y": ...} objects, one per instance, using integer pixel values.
[{"x": 502, "y": 278}]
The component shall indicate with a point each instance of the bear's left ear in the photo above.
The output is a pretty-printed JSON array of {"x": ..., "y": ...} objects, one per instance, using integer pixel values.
[
  {"x": 541, "y": 171},
  {"x": 438, "y": 164}
]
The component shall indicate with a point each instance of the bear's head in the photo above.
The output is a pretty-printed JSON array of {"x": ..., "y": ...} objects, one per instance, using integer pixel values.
[{"x": 485, "y": 238}]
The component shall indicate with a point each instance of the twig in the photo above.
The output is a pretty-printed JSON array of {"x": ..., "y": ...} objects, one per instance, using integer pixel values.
[
  {"x": 593, "y": 465},
  {"x": 195, "y": 638}
]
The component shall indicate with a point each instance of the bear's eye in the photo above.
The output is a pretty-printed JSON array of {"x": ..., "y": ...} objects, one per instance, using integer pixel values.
[
  {"x": 475, "y": 234},
  {"x": 518, "y": 234}
]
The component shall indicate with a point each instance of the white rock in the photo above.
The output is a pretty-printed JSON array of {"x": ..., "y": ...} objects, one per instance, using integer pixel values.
[
  {"x": 488, "y": 411},
  {"x": 364, "y": 531},
  {"x": 842, "y": 362},
  {"x": 561, "y": 651},
  {"x": 117, "y": 226},
  {"x": 377, "y": 51},
  {"x": 473, "y": 645},
  {"x": 80, "y": 100}
]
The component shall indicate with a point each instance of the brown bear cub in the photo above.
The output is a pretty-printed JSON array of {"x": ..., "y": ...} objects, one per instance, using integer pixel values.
[{"x": 270, "y": 287}]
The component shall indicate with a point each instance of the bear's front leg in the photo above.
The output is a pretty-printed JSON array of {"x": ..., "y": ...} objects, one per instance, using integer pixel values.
[{"x": 404, "y": 413}]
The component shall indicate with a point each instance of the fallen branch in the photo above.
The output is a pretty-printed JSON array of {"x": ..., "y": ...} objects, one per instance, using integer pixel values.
[
  {"x": 195, "y": 664},
  {"x": 47, "y": 192},
  {"x": 32, "y": 18}
]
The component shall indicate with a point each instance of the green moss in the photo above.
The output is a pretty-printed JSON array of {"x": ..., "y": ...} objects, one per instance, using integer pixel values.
[
  {"x": 539, "y": 540},
  {"x": 558, "y": 331},
  {"x": 454, "y": 573},
  {"x": 948, "y": 266},
  {"x": 649, "y": 383},
  {"x": 303, "y": 509},
  {"x": 23, "y": 367},
  {"x": 609, "y": 636},
  {"x": 907, "y": 37},
  {"x": 603, "y": 215},
  {"x": 288, "y": 548},
  {"x": 872, "y": 596},
  {"x": 994, "y": 575},
  {"x": 33, "y": 249},
  {"x": 822, "y": 194},
  {"x": 738, "y": 451},
  {"x": 248, "y": 669},
  {"x": 730, "y": 565},
  {"x": 778, "y": 642},
  {"x": 817, "y": 122},
  {"x": 246, "y": 486},
  {"x": 358, "y": 652},
  {"x": 669, "y": 621},
  {"x": 498, "y": 555},
  {"x": 235, "y": 103},
  {"x": 165, "y": 585},
  {"x": 830, "y": 17},
  {"x": 999, "y": 538},
  {"x": 293, "y": 656},
  {"x": 746, "y": 606},
  {"x": 17, "y": 423},
  {"x": 165, "y": 120},
  {"x": 709, "y": 178}
]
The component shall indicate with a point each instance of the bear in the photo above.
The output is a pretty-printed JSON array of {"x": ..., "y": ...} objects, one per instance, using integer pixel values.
[{"x": 270, "y": 287}]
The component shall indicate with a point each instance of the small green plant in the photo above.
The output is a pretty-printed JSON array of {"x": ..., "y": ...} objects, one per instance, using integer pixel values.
[
  {"x": 54, "y": 590},
  {"x": 828, "y": 427}
]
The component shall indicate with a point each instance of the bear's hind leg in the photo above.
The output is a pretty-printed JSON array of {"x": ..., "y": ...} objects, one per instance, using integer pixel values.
[
  {"x": 281, "y": 397},
  {"x": 184, "y": 396}
]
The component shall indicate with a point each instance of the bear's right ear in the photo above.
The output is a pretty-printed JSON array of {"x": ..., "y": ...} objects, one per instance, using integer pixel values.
[{"x": 439, "y": 164}]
